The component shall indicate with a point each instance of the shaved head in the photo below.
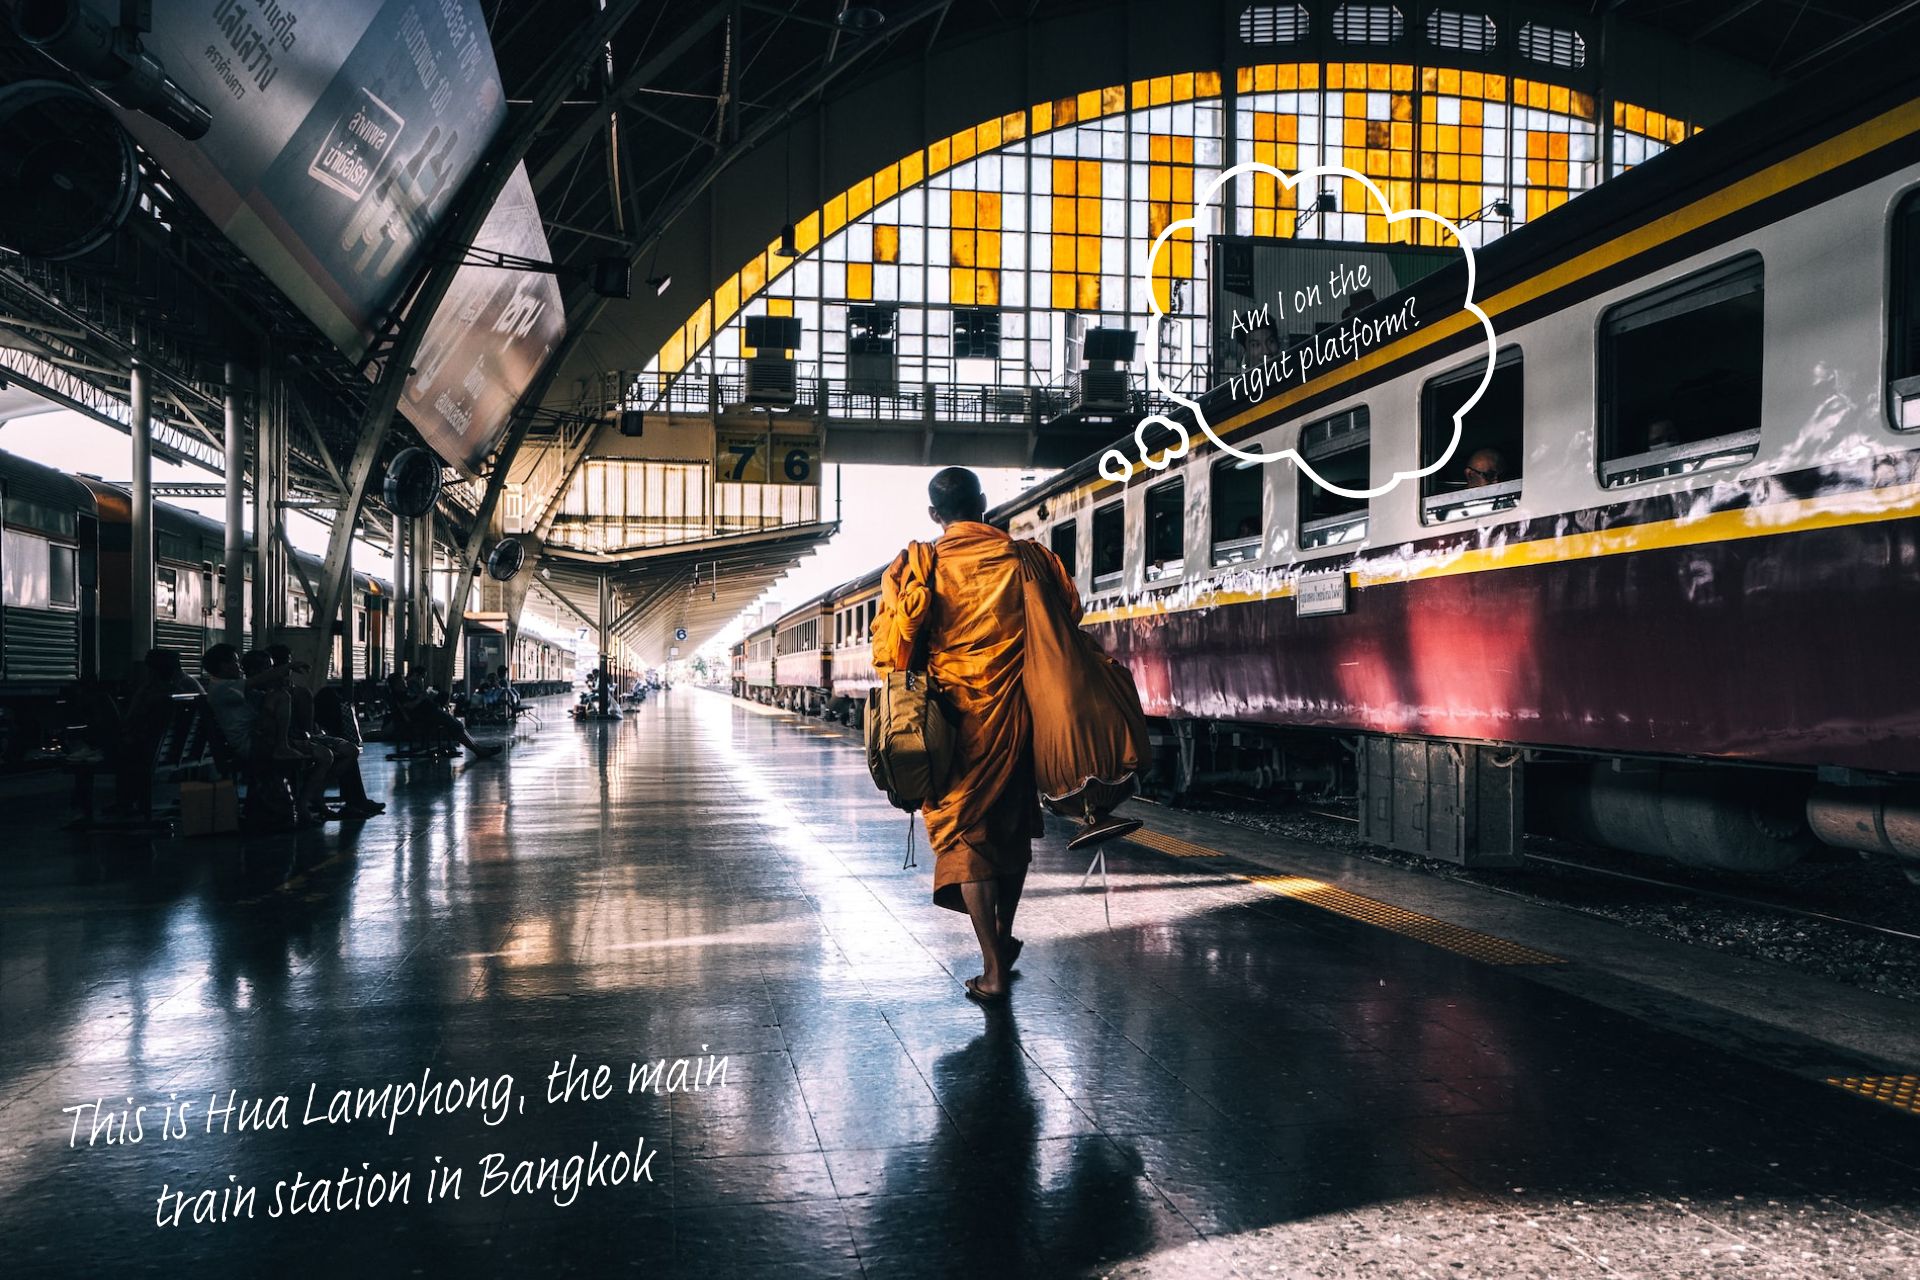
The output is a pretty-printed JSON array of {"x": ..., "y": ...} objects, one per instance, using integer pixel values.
[{"x": 954, "y": 495}]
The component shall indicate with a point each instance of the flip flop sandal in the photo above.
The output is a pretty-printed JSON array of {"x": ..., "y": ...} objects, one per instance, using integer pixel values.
[{"x": 983, "y": 997}]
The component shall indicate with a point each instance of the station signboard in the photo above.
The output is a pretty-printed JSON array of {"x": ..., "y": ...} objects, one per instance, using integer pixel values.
[{"x": 742, "y": 455}]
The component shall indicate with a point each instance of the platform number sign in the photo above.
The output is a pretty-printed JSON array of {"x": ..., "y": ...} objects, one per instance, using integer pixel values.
[
  {"x": 679, "y": 633},
  {"x": 754, "y": 457}
]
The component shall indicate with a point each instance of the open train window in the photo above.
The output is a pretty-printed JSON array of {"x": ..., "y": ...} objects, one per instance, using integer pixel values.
[
  {"x": 1903, "y": 319},
  {"x": 1483, "y": 474},
  {"x": 1236, "y": 510},
  {"x": 1065, "y": 541},
  {"x": 1166, "y": 530},
  {"x": 62, "y": 582},
  {"x": 1337, "y": 449},
  {"x": 1109, "y": 545},
  {"x": 166, "y": 592},
  {"x": 1680, "y": 376}
]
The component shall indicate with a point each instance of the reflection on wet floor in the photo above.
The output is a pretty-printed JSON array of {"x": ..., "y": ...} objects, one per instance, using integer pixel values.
[{"x": 1221, "y": 1082}]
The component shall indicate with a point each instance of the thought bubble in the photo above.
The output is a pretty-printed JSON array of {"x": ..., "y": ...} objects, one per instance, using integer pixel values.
[{"x": 1323, "y": 353}]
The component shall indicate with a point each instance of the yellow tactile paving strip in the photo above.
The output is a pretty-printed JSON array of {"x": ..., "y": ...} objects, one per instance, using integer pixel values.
[
  {"x": 1173, "y": 846},
  {"x": 1896, "y": 1091},
  {"x": 1410, "y": 924}
]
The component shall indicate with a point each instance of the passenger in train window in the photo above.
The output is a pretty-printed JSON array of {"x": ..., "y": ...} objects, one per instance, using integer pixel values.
[
  {"x": 1485, "y": 467},
  {"x": 1661, "y": 432},
  {"x": 966, "y": 602}
]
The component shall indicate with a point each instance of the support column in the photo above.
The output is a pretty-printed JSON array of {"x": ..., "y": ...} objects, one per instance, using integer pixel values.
[
  {"x": 140, "y": 428},
  {"x": 605, "y": 618},
  {"x": 269, "y": 476},
  {"x": 233, "y": 599},
  {"x": 402, "y": 597}
]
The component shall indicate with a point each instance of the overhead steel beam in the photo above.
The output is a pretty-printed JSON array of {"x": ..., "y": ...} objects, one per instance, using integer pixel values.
[
  {"x": 471, "y": 208},
  {"x": 583, "y": 132}
]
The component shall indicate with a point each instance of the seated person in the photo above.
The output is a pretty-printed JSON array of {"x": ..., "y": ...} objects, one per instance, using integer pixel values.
[
  {"x": 253, "y": 711},
  {"x": 414, "y": 699},
  {"x": 150, "y": 710},
  {"x": 303, "y": 729}
]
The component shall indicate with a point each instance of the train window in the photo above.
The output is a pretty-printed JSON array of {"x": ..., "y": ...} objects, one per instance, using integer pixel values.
[
  {"x": 1903, "y": 327},
  {"x": 1236, "y": 510},
  {"x": 23, "y": 564},
  {"x": 1483, "y": 474},
  {"x": 166, "y": 592},
  {"x": 1065, "y": 541},
  {"x": 1680, "y": 376},
  {"x": 1109, "y": 545},
  {"x": 1166, "y": 530},
  {"x": 1337, "y": 449},
  {"x": 62, "y": 582}
]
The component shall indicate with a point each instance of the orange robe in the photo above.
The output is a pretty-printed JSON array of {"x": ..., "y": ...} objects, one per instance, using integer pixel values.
[{"x": 981, "y": 827}]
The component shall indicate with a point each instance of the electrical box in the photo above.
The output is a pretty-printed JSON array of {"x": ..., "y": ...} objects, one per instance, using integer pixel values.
[{"x": 1461, "y": 804}]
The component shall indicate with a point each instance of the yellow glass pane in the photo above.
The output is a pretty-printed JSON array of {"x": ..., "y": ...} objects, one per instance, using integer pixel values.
[
  {"x": 1449, "y": 81},
  {"x": 753, "y": 276},
  {"x": 1183, "y": 87},
  {"x": 1379, "y": 134},
  {"x": 1263, "y": 222},
  {"x": 1182, "y": 258},
  {"x": 961, "y": 289},
  {"x": 886, "y": 184},
  {"x": 1206, "y": 84},
  {"x": 1089, "y": 215},
  {"x": 1402, "y": 77},
  {"x": 1470, "y": 168},
  {"x": 1243, "y": 79},
  {"x": 1063, "y": 253},
  {"x": 834, "y": 216},
  {"x": 1537, "y": 173},
  {"x": 1113, "y": 100},
  {"x": 1089, "y": 177},
  {"x": 1160, "y": 148},
  {"x": 962, "y": 145},
  {"x": 1376, "y": 163},
  {"x": 1162, "y": 294},
  {"x": 1582, "y": 104},
  {"x": 1159, "y": 182},
  {"x": 940, "y": 155},
  {"x": 1088, "y": 291},
  {"x": 986, "y": 208},
  {"x": 1557, "y": 146},
  {"x": 962, "y": 206},
  {"x": 987, "y": 249},
  {"x": 1087, "y": 105},
  {"x": 1289, "y": 157},
  {"x": 859, "y": 198},
  {"x": 886, "y": 242},
  {"x": 1559, "y": 99},
  {"x": 673, "y": 356},
  {"x": 1401, "y": 165},
  {"x": 1379, "y": 76},
  {"x": 1183, "y": 150},
  {"x": 1496, "y": 88},
  {"x": 779, "y": 306},
  {"x": 1042, "y": 117},
  {"x": 1473, "y": 111},
  {"x": 1400, "y": 106},
  {"x": 1355, "y": 107},
  {"x": 726, "y": 299},
  {"x": 1183, "y": 185},
  {"x": 1473, "y": 84},
  {"x": 1267, "y": 78},
  {"x": 1013, "y": 126},
  {"x": 859, "y": 281},
  {"x": 1159, "y": 214},
  {"x": 1449, "y": 167},
  {"x": 1677, "y": 131},
  {"x": 1063, "y": 292},
  {"x": 960, "y": 249},
  {"x": 1636, "y": 118},
  {"x": 986, "y": 288},
  {"x": 1066, "y": 175},
  {"x": 987, "y": 136},
  {"x": 1087, "y": 253},
  {"x": 913, "y": 168}
]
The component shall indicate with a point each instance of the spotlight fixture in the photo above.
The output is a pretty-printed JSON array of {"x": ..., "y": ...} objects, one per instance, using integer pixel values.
[
  {"x": 110, "y": 56},
  {"x": 860, "y": 19},
  {"x": 660, "y": 284},
  {"x": 1325, "y": 202},
  {"x": 786, "y": 248},
  {"x": 1502, "y": 209}
]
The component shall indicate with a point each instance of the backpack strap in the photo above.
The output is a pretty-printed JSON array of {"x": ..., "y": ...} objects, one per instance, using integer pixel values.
[{"x": 918, "y": 656}]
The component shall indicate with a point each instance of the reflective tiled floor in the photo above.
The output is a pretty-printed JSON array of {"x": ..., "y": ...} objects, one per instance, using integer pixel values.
[{"x": 1218, "y": 1082}]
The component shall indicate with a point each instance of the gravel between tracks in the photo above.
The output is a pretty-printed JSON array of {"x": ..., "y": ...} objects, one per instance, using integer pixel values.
[{"x": 1836, "y": 883}]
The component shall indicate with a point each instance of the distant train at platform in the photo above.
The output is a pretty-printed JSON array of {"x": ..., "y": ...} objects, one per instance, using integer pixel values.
[
  {"x": 1670, "y": 571},
  {"x": 66, "y": 572}
]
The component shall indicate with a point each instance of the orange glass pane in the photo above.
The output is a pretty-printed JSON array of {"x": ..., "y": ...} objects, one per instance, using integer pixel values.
[
  {"x": 960, "y": 249},
  {"x": 1089, "y": 177},
  {"x": 1159, "y": 182},
  {"x": 986, "y": 249},
  {"x": 1042, "y": 117},
  {"x": 859, "y": 281},
  {"x": 986, "y": 288},
  {"x": 1183, "y": 150},
  {"x": 1089, "y": 215},
  {"x": 987, "y": 136},
  {"x": 1379, "y": 76},
  {"x": 1449, "y": 80},
  {"x": 986, "y": 209},
  {"x": 1183, "y": 86},
  {"x": 1243, "y": 79},
  {"x": 886, "y": 242},
  {"x": 962, "y": 209},
  {"x": 1066, "y": 175},
  {"x": 1206, "y": 84},
  {"x": 963, "y": 142},
  {"x": 960, "y": 289},
  {"x": 1088, "y": 293},
  {"x": 1062, "y": 253},
  {"x": 1063, "y": 292},
  {"x": 1013, "y": 126},
  {"x": 1160, "y": 148},
  {"x": 940, "y": 155},
  {"x": 1182, "y": 258},
  {"x": 1087, "y": 105},
  {"x": 1087, "y": 253}
]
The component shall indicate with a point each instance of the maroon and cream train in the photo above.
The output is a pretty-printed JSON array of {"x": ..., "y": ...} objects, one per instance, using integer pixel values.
[
  {"x": 816, "y": 658},
  {"x": 1683, "y": 590}
]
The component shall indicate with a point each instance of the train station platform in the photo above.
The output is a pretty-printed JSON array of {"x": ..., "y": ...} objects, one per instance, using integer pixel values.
[{"x": 1214, "y": 1068}]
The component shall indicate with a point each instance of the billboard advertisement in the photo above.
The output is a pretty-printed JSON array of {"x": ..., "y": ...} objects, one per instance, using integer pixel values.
[
  {"x": 489, "y": 338},
  {"x": 341, "y": 130}
]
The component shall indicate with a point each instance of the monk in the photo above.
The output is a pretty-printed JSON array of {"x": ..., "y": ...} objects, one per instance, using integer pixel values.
[{"x": 982, "y": 826}]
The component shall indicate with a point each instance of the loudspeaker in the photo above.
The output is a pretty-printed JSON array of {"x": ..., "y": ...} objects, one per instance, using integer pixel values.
[
  {"x": 773, "y": 333},
  {"x": 1110, "y": 344},
  {"x": 632, "y": 422}
]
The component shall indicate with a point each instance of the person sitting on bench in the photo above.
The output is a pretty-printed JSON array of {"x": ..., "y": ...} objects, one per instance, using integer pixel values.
[
  {"x": 420, "y": 705},
  {"x": 254, "y": 711}
]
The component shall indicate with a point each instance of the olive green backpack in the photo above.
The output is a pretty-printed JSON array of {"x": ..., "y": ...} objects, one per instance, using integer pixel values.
[{"x": 909, "y": 735}]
